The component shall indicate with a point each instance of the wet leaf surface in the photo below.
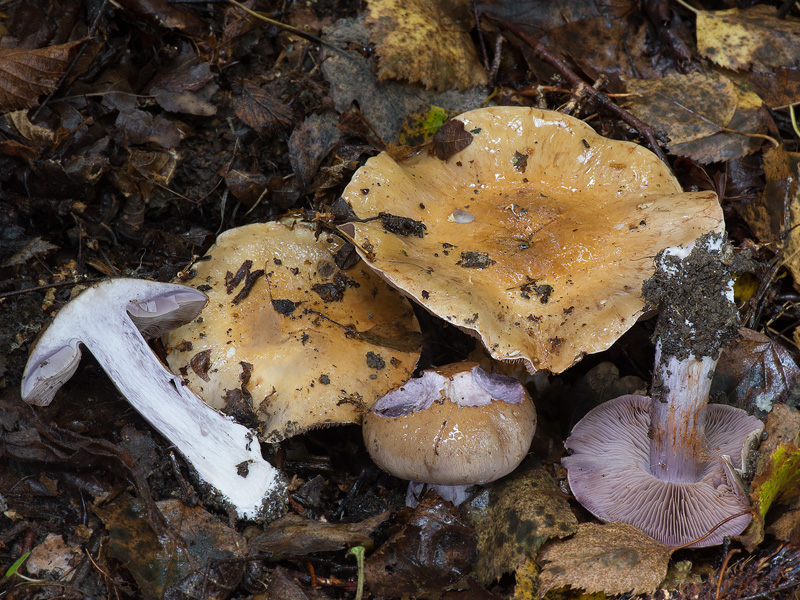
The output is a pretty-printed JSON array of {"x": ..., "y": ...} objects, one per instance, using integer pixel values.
[
  {"x": 433, "y": 548},
  {"x": 514, "y": 517}
]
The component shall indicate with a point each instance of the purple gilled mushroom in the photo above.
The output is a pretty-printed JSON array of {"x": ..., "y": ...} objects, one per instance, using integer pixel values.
[
  {"x": 110, "y": 318},
  {"x": 670, "y": 464}
]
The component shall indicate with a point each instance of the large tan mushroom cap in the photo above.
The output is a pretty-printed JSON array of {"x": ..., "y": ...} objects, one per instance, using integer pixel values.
[
  {"x": 456, "y": 425},
  {"x": 538, "y": 235},
  {"x": 310, "y": 345}
]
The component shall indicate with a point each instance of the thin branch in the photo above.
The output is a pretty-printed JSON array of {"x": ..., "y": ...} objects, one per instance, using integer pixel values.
[{"x": 546, "y": 56}]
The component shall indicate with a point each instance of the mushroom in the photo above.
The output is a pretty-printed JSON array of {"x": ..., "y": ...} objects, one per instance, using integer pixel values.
[
  {"x": 670, "y": 463},
  {"x": 527, "y": 229},
  {"x": 289, "y": 341},
  {"x": 453, "y": 427},
  {"x": 110, "y": 318}
]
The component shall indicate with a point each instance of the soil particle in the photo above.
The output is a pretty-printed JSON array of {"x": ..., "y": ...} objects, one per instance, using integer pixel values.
[{"x": 696, "y": 315}]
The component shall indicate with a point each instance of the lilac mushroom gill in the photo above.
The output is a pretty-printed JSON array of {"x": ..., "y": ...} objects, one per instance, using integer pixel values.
[
  {"x": 453, "y": 427},
  {"x": 670, "y": 463},
  {"x": 110, "y": 319}
]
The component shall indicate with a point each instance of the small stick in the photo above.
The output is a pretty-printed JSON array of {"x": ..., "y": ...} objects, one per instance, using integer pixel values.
[{"x": 544, "y": 55}]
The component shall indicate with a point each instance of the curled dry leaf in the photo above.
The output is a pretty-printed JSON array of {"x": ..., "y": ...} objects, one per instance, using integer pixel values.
[
  {"x": 614, "y": 558},
  {"x": 542, "y": 260},
  {"x": 755, "y": 372},
  {"x": 27, "y": 74},
  {"x": 777, "y": 479},
  {"x": 288, "y": 341}
]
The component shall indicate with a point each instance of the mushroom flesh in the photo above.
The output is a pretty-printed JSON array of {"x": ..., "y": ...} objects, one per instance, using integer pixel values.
[{"x": 110, "y": 319}]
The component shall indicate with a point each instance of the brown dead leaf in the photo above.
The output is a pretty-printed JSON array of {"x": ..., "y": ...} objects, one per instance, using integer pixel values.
[
  {"x": 514, "y": 517},
  {"x": 296, "y": 535},
  {"x": 186, "y": 85},
  {"x": 450, "y": 138},
  {"x": 614, "y": 558},
  {"x": 27, "y": 74},
  {"x": 260, "y": 109},
  {"x": 425, "y": 41},
  {"x": 685, "y": 107},
  {"x": 753, "y": 38},
  {"x": 755, "y": 373},
  {"x": 706, "y": 116},
  {"x": 247, "y": 187},
  {"x": 433, "y": 549},
  {"x": 782, "y": 169}
]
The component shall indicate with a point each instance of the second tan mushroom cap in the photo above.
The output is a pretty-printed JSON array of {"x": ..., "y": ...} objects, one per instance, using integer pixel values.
[
  {"x": 536, "y": 237},
  {"x": 289, "y": 341}
]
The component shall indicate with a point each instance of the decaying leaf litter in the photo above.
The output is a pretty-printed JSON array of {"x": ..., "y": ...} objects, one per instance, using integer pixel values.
[{"x": 135, "y": 133}]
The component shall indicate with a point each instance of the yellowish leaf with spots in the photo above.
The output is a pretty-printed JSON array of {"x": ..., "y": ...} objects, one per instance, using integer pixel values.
[
  {"x": 425, "y": 41},
  {"x": 753, "y": 38}
]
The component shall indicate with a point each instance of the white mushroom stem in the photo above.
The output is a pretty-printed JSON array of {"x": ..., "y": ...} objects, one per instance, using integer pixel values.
[
  {"x": 678, "y": 416},
  {"x": 225, "y": 455}
]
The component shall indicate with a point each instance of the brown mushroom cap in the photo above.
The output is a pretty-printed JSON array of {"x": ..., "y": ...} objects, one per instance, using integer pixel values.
[
  {"x": 457, "y": 425},
  {"x": 309, "y": 345},
  {"x": 609, "y": 473},
  {"x": 537, "y": 236}
]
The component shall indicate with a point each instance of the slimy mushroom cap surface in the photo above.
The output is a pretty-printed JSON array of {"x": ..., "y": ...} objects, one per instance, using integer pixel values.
[
  {"x": 535, "y": 237},
  {"x": 296, "y": 343}
]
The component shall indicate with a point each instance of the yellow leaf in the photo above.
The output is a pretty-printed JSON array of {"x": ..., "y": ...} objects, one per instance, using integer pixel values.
[{"x": 425, "y": 41}]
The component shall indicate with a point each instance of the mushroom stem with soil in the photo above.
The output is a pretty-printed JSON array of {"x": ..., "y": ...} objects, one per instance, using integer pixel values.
[
  {"x": 110, "y": 319},
  {"x": 669, "y": 464}
]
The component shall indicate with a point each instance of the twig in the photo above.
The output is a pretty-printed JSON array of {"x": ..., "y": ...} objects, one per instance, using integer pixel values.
[
  {"x": 544, "y": 55},
  {"x": 74, "y": 60},
  {"x": 40, "y": 288},
  {"x": 724, "y": 566}
]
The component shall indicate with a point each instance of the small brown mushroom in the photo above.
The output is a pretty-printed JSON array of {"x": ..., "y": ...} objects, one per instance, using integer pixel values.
[
  {"x": 454, "y": 426},
  {"x": 535, "y": 237},
  {"x": 290, "y": 341}
]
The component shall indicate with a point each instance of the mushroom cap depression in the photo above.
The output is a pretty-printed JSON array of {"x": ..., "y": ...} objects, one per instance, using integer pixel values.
[
  {"x": 536, "y": 236},
  {"x": 456, "y": 425},
  {"x": 294, "y": 342},
  {"x": 609, "y": 473}
]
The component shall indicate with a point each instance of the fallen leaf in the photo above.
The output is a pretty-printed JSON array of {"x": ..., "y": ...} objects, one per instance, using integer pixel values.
[
  {"x": 513, "y": 517},
  {"x": 705, "y": 115},
  {"x": 685, "y": 107},
  {"x": 752, "y": 38},
  {"x": 425, "y": 41},
  {"x": 159, "y": 562},
  {"x": 755, "y": 373},
  {"x": 27, "y": 74},
  {"x": 246, "y": 187},
  {"x": 310, "y": 142},
  {"x": 421, "y": 124},
  {"x": 260, "y": 109},
  {"x": 777, "y": 478},
  {"x": 186, "y": 85},
  {"x": 293, "y": 534},
  {"x": 614, "y": 558},
  {"x": 434, "y": 548}
]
